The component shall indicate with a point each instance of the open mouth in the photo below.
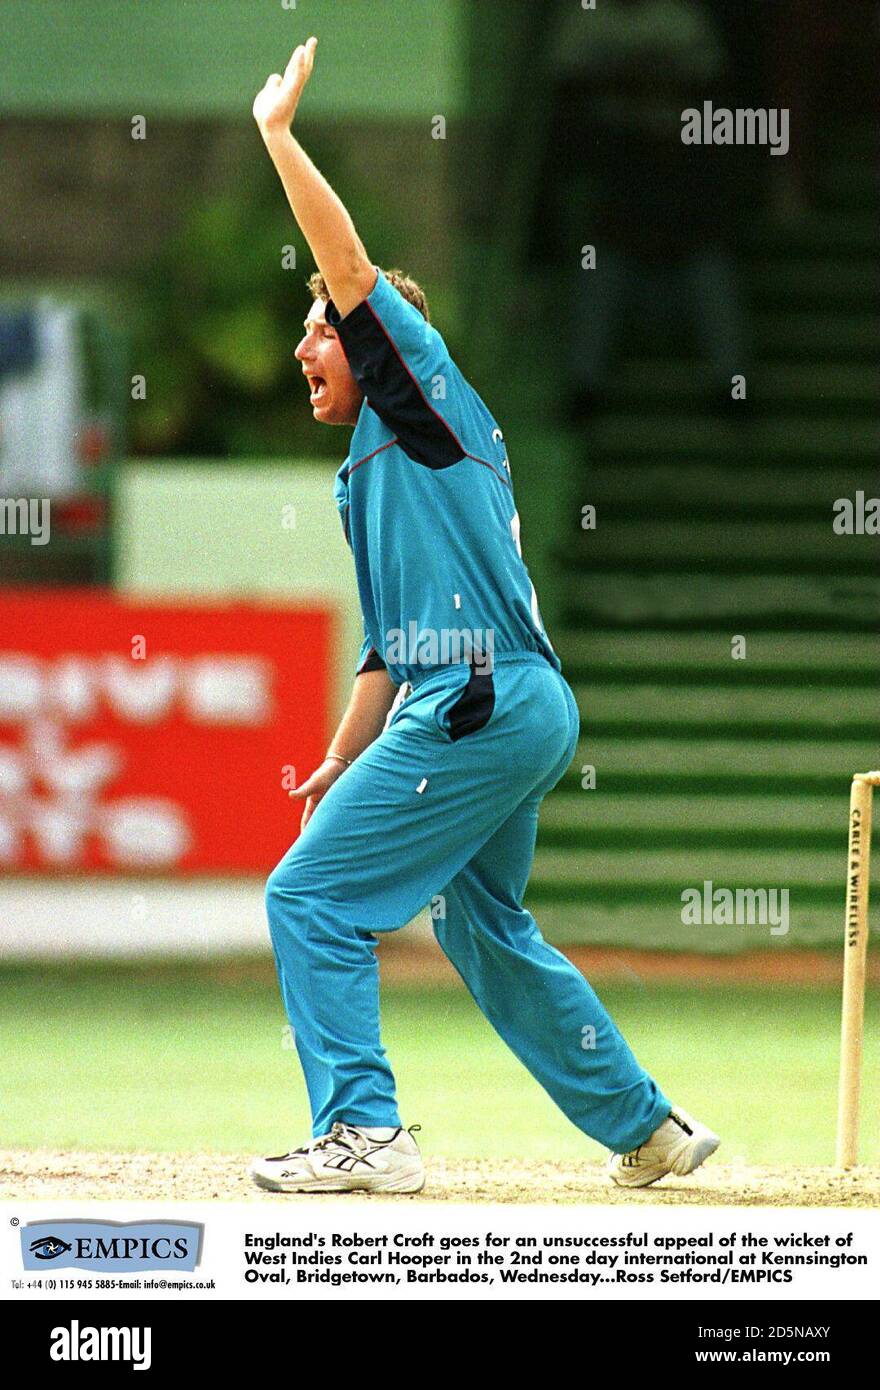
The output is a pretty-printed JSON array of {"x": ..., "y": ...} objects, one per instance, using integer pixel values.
[{"x": 318, "y": 388}]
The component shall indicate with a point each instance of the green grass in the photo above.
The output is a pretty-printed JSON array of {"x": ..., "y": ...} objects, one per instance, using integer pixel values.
[{"x": 183, "y": 1058}]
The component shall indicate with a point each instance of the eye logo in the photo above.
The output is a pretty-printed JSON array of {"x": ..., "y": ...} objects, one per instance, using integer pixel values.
[
  {"x": 119, "y": 1246},
  {"x": 49, "y": 1248}
]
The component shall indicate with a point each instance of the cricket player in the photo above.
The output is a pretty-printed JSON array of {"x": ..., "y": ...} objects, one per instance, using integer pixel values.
[{"x": 438, "y": 803}]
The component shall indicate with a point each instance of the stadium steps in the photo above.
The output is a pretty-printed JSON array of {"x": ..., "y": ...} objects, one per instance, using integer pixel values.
[
  {"x": 771, "y": 657},
  {"x": 732, "y": 603},
  {"x": 837, "y": 231},
  {"x": 637, "y": 872},
  {"x": 801, "y": 333},
  {"x": 709, "y": 491},
  {"x": 694, "y": 765},
  {"x": 641, "y": 923},
  {"x": 774, "y": 441},
  {"x": 620, "y": 820},
  {"x": 849, "y": 181},
  {"x": 825, "y": 389},
  {"x": 679, "y": 711},
  {"x": 818, "y": 283},
  {"x": 731, "y": 546},
  {"x": 623, "y": 760}
]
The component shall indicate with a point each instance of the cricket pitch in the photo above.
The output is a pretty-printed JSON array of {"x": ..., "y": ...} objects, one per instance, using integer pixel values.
[{"x": 39, "y": 1175}]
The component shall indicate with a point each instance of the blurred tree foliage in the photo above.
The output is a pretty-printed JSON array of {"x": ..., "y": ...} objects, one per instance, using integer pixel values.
[{"x": 218, "y": 317}]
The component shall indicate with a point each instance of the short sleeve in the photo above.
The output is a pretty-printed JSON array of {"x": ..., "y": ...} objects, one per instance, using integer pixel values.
[
  {"x": 403, "y": 367},
  {"x": 368, "y": 658}
]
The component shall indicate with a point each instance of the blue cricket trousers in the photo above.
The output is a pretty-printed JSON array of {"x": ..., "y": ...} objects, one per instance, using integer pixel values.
[{"x": 446, "y": 802}]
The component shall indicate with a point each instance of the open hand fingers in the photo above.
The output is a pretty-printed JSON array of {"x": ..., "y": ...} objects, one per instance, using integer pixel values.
[{"x": 299, "y": 69}]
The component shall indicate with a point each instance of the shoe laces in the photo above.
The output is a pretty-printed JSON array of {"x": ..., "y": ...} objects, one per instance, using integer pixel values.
[
  {"x": 347, "y": 1138},
  {"x": 342, "y": 1136}
]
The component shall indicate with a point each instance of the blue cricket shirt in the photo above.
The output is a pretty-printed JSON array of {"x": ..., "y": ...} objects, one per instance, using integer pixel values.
[{"x": 426, "y": 503}]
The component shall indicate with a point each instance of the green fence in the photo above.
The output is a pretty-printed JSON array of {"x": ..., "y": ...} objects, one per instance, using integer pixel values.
[{"x": 191, "y": 58}]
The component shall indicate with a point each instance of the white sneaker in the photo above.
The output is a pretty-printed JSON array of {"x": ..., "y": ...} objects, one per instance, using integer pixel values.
[
  {"x": 345, "y": 1160},
  {"x": 678, "y": 1146}
]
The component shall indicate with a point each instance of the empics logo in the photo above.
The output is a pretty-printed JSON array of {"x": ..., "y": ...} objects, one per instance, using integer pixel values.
[
  {"x": 49, "y": 1248},
  {"x": 112, "y": 1245},
  {"x": 75, "y": 1343}
]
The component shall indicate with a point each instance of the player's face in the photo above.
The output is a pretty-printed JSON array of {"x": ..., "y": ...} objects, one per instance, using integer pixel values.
[{"x": 335, "y": 395}]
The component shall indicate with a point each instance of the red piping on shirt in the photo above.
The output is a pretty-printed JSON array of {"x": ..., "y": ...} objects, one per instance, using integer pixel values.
[
  {"x": 381, "y": 449},
  {"x": 436, "y": 413}
]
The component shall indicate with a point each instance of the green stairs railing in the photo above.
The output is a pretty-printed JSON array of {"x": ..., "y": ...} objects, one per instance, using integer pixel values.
[{"x": 708, "y": 767}]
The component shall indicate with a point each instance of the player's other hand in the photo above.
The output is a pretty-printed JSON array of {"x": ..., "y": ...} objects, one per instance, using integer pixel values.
[
  {"x": 275, "y": 106},
  {"x": 316, "y": 786}
]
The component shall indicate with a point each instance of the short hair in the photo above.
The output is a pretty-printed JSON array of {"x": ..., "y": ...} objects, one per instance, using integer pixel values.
[{"x": 412, "y": 291}]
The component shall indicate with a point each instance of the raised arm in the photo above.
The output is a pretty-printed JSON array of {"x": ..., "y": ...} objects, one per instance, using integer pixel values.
[{"x": 323, "y": 220}]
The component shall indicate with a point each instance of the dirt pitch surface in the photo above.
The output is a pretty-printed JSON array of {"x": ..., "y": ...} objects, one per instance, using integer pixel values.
[{"x": 45, "y": 1175}]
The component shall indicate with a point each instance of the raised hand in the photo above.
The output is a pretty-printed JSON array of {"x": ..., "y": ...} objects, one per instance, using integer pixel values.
[{"x": 275, "y": 106}]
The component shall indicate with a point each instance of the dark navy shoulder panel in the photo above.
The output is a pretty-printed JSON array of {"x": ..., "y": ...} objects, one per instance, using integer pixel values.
[{"x": 392, "y": 387}]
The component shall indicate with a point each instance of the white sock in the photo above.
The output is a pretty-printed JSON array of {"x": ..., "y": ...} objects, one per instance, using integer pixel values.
[{"x": 378, "y": 1134}]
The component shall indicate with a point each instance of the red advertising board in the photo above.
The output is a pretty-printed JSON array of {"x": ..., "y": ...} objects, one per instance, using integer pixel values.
[{"x": 155, "y": 737}]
